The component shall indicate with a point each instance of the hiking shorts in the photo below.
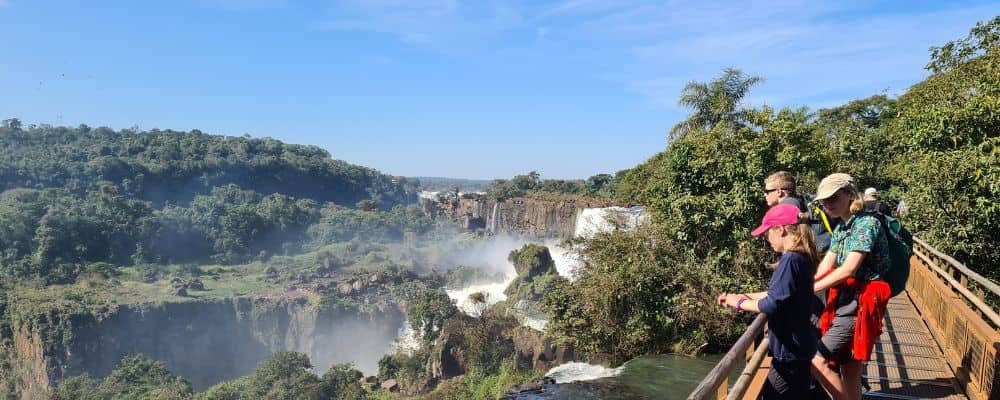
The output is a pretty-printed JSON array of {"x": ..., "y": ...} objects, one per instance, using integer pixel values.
[
  {"x": 787, "y": 380},
  {"x": 836, "y": 344}
]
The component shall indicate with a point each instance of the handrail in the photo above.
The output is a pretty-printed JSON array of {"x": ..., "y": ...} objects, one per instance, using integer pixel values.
[
  {"x": 715, "y": 378},
  {"x": 743, "y": 382},
  {"x": 985, "y": 309},
  {"x": 980, "y": 280}
]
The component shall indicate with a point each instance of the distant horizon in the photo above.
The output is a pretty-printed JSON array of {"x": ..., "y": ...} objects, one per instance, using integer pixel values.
[{"x": 443, "y": 88}]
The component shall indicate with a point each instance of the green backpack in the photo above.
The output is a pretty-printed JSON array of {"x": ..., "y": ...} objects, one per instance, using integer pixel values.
[{"x": 900, "y": 249}]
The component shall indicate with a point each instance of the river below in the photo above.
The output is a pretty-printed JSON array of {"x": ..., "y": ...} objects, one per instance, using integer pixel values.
[{"x": 666, "y": 376}]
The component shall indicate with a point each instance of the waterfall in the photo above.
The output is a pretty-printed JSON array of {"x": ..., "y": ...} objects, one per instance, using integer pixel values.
[
  {"x": 493, "y": 219},
  {"x": 591, "y": 221},
  {"x": 578, "y": 371},
  {"x": 477, "y": 210},
  {"x": 493, "y": 291},
  {"x": 406, "y": 339}
]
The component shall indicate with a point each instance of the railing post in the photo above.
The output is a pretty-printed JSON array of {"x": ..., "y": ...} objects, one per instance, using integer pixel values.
[{"x": 723, "y": 390}]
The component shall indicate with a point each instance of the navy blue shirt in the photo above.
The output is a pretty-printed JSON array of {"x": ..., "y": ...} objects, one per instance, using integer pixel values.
[{"x": 787, "y": 305}]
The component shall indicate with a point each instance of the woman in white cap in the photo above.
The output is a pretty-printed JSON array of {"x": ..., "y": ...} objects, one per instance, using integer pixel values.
[{"x": 852, "y": 270}]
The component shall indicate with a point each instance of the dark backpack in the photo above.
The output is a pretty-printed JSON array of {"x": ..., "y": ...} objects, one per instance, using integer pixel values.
[
  {"x": 821, "y": 224},
  {"x": 900, "y": 249}
]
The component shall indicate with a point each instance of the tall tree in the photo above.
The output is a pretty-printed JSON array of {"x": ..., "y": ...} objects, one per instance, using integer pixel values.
[{"x": 715, "y": 102}]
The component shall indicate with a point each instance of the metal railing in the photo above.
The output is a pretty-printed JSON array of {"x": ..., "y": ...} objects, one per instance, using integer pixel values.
[{"x": 716, "y": 383}]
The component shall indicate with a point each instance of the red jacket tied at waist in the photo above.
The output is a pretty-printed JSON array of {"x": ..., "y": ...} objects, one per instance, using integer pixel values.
[{"x": 872, "y": 298}]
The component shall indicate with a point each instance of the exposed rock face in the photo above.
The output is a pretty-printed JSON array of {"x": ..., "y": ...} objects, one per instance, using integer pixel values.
[
  {"x": 539, "y": 351},
  {"x": 536, "y": 273},
  {"x": 205, "y": 342},
  {"x": 447, "y": 358},
  {"x": 519, "y": 216}
]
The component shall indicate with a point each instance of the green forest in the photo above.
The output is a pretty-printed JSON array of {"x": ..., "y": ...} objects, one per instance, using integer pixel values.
[
  {"x": 81, "y": 206},
  {"x": 936, "y": 147},
  {"x": 77, "y": 196}
]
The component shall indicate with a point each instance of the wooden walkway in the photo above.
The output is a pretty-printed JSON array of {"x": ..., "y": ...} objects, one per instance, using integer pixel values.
[
  {"x": 940, "y": 340},
  {"x": 907, "y": 363}
]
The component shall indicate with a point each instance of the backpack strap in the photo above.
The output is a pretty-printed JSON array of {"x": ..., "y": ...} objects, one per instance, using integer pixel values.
[
  {"x": 816, "y": 210},
  {"x": 822, "y": 216}
]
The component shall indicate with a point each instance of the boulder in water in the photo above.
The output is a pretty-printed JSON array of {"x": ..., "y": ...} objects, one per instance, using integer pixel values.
[
  {"x": 536, "y": 273},
  {"x": 532, "y": 260},
  {"x": 390, "y": 385},
  {"x": 532, "y": 386}
]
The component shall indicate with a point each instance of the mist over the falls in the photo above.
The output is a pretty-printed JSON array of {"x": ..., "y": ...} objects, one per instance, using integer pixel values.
[{"x": 209, "y": 342}]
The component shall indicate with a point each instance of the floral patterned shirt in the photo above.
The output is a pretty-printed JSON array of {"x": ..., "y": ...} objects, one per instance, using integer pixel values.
[{"x": 863, "y": 233}]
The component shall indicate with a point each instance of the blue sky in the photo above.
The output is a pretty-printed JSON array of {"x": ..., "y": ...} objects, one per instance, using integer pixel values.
[{"x": 473, "y": 89}]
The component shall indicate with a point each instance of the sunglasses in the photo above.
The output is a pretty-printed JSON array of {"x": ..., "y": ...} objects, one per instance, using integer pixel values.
[{"x": 768, "y": 191}]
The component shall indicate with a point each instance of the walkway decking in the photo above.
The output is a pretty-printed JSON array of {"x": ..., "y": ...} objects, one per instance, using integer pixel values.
[
  {"x": 907, "y": 362},
  {"x": 940, "y": 340}
]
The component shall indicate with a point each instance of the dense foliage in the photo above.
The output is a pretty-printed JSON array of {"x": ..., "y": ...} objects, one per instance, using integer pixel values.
[
  {"x": 288, "y": 375},
  {"x": 171, "y": 166},
  {"x": 536, "y": 274},
  {"x": 601, "y": 186},
  {"x": 428, "y": 313},
  {"x": 284, "y": 375},
  {"x": 951, "y": 122},
  {"x": 70, "y": 197},
  {"x": 55, "y": 234},
  {"x": 704, "y": 194},
  {"x": 135, "y": 378},
  {"x": 437, "y": 184}
]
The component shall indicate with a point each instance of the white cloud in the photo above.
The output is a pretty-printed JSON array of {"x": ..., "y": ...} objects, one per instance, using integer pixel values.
[
  {"x": 808, "y": 57},
  {"x": 410, "y": 21},
  {"x": 809, "y": 50}
]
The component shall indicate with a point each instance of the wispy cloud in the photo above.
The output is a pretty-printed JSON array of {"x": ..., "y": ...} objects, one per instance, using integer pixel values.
[
  {"x": 809, "y": 50},
  {"x": 438, "y": 23},
  {"x": 810, "y": 53}
]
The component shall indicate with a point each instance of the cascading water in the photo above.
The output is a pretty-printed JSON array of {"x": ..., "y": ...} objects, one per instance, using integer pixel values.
[
  {"x": 493, "y": 218},
  {"x": 427, "y": 195},
  {"x": 667, "y": 376},
  {"x": 578, "y": 371},
  {"x": 406, "y": 339},
  {"x": 477, "y": 210},
  {"x": 591, "y": 221},
  {"x": 493, "y": 293}
]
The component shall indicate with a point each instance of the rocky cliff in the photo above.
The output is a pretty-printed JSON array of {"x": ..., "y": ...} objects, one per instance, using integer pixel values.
[
  {"x": 518, "y": 216},
  {"x": 203, "y": 341}
]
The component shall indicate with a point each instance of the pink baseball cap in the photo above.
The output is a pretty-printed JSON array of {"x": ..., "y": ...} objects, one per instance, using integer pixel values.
[{"x": 779, "y": 215}]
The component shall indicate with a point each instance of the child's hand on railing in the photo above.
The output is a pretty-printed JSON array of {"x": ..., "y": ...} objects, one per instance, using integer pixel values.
[{"x": 731, "y": 300}]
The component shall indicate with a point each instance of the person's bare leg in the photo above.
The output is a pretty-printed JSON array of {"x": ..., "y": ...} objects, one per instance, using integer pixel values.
[
  {"x": 851, "y": 375},
  {"x": 828, "y": 378}
]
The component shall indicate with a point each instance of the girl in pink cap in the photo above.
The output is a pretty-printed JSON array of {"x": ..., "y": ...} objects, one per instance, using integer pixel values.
[{"x": 792, "y": 338}]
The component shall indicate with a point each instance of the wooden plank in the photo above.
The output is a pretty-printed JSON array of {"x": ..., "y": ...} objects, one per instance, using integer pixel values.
[
  {"x": 759, "y": 378},
  {"x": 721, "y": 371}
]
